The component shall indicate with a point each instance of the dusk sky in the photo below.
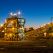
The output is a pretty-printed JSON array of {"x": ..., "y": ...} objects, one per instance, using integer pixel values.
[{"x": 35, "y": 12}]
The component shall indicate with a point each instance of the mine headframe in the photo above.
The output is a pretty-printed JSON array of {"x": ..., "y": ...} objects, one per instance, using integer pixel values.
[{"x": 14, "y": 28}]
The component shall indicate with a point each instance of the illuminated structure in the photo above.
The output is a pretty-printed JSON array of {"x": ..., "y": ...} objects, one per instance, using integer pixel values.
[{"x": 14, "y": 28}]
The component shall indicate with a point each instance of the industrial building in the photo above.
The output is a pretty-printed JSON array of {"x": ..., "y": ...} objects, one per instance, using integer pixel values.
[{"x": 13, "y": 28}]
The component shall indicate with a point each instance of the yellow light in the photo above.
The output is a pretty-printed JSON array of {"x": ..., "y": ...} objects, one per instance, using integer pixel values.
[
  {"x": 10, "y": 34},
  {"x": 5, "y": 28},
  {"x": 11, "y": 21},
  {"x": 13, "y": 28},
  {"x": 1, "y": 25},
  {"x": 45, "y": 34},
  {"x": 52, "y": 34},
  {"x": 5, "y": 33}
]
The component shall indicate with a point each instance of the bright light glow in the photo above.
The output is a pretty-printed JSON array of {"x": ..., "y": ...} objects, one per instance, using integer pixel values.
[
  {"x": 11, "y": 21},
  {"x": 48, "y": 23},
  {"x": 44, "y": 24},
  {"x": 5, "y": 33},
  {"x": 5, "y": 28},
  {"x": 10, "y": 34},
  {"x": 11, "y": 13},
  {"x": 15, "y": 14},
  {"x": 1, "y": 25},
  {"x": 21, "y": 35},
  {"x": 19, "y": 13},
  {"x": 13, "y": 28},
  {"x": 45, "y": 34},
  {"x": 52, "y": 34}
]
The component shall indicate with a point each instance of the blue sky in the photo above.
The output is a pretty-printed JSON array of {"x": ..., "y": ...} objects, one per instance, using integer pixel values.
[{"x": 35, "y": 12}]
